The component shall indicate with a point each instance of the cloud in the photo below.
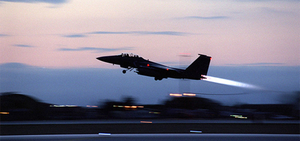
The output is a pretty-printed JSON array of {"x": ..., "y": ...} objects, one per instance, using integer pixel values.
[
  {"x": 74, "y": 35},
  {"x": 205, "y": 18},
  {"x": 174, "y": 33},
  {"x": 23, "y": 45},
  {"x": 171, "y": 33},
  {"x": 160, "y": 33},
  {"x": 257, "y": 64},
  {"x": 108, "y": 32},
  {"x": 95, "y": 49},
  {"x": 276, "y": 11},
  {"x": 4, "y": 35},
  {"x": 36, "y": 1},
  {"x": 15, "y": 65},
  {"x": 264, "y": 64}
]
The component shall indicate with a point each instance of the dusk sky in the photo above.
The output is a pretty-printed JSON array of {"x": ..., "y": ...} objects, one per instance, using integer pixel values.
[{"x": 70, "y": 34}]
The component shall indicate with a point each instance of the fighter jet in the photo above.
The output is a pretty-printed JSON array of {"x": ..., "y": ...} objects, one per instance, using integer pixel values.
[{"x": 148, "y": 68}]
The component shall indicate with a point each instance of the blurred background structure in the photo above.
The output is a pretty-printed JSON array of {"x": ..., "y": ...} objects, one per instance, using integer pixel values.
[{"x": 19, "y": 107}]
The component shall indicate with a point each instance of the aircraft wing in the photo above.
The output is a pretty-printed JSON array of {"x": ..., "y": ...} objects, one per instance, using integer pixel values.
[
  {"x": 161, "y": 67},
  {"x": 157, "y": 70}
]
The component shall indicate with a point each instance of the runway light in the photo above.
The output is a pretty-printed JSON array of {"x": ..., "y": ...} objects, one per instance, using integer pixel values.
[
  {"x": 104, "y": 134},
  {"x": 176, "y": 95},
  {"x": 145, "y": 121},
  {"x": 140, "y": 106},
  {"x": 156, "y": 113},
  {"x": 4, "y": 113},
  {"x": 65, "y": 105},
  {"x": 128, "y": 107},
  {"x": 189, "y": 94},
  {"x": 195, "y": 131},
  {"x": 238, "y": 116}
]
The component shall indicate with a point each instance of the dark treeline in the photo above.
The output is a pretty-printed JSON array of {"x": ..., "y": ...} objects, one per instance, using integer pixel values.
[{"x": 16, "y": 107}]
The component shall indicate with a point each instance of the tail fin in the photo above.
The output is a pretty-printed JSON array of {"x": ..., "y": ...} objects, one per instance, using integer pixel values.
[{"x": 199, "y": 66}]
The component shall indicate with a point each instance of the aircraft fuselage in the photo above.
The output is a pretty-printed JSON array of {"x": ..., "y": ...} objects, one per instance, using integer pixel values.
[{"x": 156, "y": 70}]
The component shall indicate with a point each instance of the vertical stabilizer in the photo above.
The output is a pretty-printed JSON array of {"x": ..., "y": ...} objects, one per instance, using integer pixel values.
[{"x": 198, "y": 67}]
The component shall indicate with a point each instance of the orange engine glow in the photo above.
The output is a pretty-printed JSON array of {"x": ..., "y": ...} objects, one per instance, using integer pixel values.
[
  {"x": 4, "y": 113},
  {"x": 146, "y": 121},
  {"x": 177, "y": 95},
  {"x": 189, "y": 94}
]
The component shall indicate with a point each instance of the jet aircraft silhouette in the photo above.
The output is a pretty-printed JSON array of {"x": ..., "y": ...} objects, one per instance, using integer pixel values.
[{"x": 148, "y": 68}]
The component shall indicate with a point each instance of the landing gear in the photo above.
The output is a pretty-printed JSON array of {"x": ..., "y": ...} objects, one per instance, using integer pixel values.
[{"x": 127, "y": 69}]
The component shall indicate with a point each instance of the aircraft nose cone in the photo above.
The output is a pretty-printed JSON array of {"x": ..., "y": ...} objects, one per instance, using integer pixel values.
[
  {"x": 109, "y": 59},
  {"x": 104, "y": 59}
]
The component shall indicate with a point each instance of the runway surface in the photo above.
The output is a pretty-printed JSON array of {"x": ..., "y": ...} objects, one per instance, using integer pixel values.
[
  {"x": 149, "y": 127},
  {"x": 130, "y": 121},
  {"x": 156, "y": 137}
]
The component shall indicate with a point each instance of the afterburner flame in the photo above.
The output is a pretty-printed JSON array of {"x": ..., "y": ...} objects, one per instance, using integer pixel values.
[{"x": 230, "y": 82}]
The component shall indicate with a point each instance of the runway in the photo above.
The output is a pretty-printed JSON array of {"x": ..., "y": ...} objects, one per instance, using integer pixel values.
[
  {"x": 157, "y": 137},
  {"x": 148, "y": 127},
  {"x": 134, "y": 121}
]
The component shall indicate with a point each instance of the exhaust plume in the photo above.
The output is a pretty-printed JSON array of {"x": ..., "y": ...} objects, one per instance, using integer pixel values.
[{"x": 231, "y": 82}]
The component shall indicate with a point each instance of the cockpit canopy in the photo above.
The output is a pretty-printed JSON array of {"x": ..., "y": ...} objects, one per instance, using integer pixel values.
[{"x": 129, "y": 55}]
